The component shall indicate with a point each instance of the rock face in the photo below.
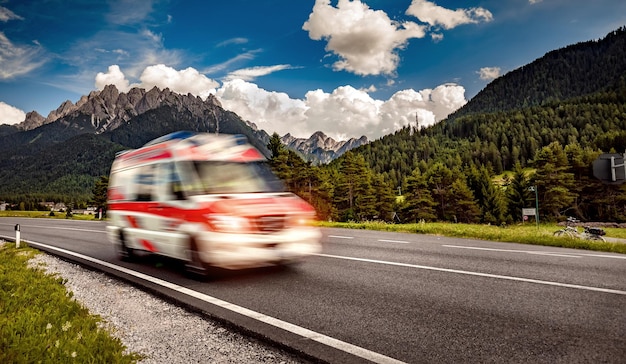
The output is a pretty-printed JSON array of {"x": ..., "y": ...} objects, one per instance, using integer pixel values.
[
  {"x": 320, "y": 148},
  {"x": 108, "y": 109},
  {"x": 33, "y": 120}
]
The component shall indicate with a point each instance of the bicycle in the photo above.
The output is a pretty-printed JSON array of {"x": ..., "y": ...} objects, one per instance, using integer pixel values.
[
  {"x": 592, "y": 233},
  {"x": 568, "y": 230}
]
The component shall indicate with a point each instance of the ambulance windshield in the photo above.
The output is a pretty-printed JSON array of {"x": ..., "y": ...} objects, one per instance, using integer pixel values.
[{"x": 217, "y": 177}]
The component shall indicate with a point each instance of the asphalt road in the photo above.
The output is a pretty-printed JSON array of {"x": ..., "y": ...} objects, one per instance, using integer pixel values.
[{"x": 388, "y": 296}]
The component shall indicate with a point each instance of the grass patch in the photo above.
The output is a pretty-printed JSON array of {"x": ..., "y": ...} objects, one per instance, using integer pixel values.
[
  {"x": 45, "y": 214},
  {"x": 40, "y": 322},
  {"x": 524, "y": 234}
]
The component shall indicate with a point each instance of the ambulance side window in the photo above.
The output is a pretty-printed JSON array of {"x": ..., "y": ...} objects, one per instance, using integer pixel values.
[
  {"x": 174, "y": 186},
  {"x": 145, "y": 183}
]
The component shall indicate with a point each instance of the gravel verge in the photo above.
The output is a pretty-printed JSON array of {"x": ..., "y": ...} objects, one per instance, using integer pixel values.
[{"x": 161, "y": 331}]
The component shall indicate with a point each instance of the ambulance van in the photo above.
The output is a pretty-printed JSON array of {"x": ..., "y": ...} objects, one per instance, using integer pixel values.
[{"x": 208, "y": 200}]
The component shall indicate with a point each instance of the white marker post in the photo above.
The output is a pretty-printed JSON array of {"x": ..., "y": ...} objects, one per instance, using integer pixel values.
[{"x": 17, "y": 235}]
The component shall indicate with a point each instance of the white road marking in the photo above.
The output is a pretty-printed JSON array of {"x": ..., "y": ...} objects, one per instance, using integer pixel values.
[
  {"x": 306, "y": 333},
  {"x": 394, "y": 241},
  {"x": 537, "y": 252},
  {"x": 534, "y": 252},
  {"x": 340, "y": 237},
  {"x": 478, "y": 274},
  {"x": 605, "y": 256},
  {"x": 60, "y": 228}
]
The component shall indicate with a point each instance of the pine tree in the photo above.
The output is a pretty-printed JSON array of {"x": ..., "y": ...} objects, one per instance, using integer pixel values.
[
  {"x": 99, "y": 198},
  {"x": 385, "y": 198},
  {"x": 418, "y": 199},
  {"x": 553, "y": 181},
  {"x": 518, "y": 195},
  {"x": 440, "y": 179},
  {"x": 463, "y": 207}
]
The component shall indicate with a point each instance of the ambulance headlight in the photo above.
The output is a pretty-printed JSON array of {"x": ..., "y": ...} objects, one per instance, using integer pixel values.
[
  {"x": 228, "y": 223},
  {"x": 302, "y": 220}
]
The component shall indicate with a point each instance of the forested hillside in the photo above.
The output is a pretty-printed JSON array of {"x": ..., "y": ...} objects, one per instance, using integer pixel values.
[
  {"x": 544, "y": 123},
  {"x": 581, "y": 69}
]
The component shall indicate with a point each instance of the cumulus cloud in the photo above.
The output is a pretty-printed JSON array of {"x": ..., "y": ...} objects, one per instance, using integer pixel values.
[
  {"x": 6, "y": 15},
  {"x": 269, "y": 110},
  {"x": 249, "y": 74},
  {"x": 10, "y": 114},
  {"x": 114, "y": 76},
  {"x": 17, "y": 60},
  {"x": 344, "y": 113},
  {"x": 365, "y": 40},
  {"x": 435, "y": 15},
  {"x": 184, "y": 81},
  {"x": 489, "y": 73}
]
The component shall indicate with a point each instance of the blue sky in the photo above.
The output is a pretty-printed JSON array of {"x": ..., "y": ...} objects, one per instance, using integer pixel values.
[{"x": 348, "y": 68}]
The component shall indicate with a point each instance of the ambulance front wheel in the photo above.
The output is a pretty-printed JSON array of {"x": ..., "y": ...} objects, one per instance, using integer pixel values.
[{"x": 194, "y": 266}]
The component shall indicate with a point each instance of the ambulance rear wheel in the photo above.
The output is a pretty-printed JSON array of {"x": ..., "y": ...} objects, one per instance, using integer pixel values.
[
  {"x": 123, "y": 251},
  {"x": 194, "y": 266}
]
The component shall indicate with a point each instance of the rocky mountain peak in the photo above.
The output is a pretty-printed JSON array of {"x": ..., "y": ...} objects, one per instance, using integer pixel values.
[
  {"x": 64, "y": 109},
  {"x": 319, "y": 147},
  {"x": 33, "y": 120}
]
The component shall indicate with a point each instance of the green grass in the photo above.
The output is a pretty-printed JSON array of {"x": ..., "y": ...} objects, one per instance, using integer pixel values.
[
  {"x": 525, "y": 234},
  {"x": 40, "y": 322},
  {"x": 45, "y": 214}
]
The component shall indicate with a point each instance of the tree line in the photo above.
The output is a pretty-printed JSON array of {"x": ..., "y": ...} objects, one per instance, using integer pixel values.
[{"x": 454, "y": 190}]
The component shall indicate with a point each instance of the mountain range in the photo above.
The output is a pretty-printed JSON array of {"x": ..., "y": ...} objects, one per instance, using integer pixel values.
[{"x": 106, "y": 111}]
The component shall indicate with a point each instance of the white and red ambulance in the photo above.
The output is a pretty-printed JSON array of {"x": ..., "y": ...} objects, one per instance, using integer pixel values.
[{"x": 208, "y": 200}]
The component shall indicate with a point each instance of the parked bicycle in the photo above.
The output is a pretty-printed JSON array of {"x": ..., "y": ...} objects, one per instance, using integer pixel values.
[
  {"x": 592, "y": 233},
  {"x": 569, "y": 230}
]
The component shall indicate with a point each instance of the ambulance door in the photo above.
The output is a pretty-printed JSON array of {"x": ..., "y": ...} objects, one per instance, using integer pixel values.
[
  {"x": 143, "y": 222},
  {"x": 171, "y": 211}
]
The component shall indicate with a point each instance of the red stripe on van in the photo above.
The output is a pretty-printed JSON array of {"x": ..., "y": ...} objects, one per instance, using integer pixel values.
[{"x": 148, "y": 245}]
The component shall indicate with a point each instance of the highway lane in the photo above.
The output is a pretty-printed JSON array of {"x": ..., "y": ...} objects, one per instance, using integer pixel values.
[{"x": 415, "y": 298}]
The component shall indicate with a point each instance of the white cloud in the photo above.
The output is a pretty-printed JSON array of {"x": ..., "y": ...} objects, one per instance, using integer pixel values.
[
  {"x": 532, "y": 2},
  {"x": 154, "y": 37},
  {"x": 435, "y": 15},
  {"x": 249, "y": 55},
  {"x": 114, "y": 76},
  {"x": 489, "y": 73},
  {"x": 6, "y": 15},
  {"x": 429, "y": 106},
  {"x": 344, "y": 113},
  {"x": 365, "y": 40},
  {"x": 183, "y": 82},
  {"x": 269, "y": 110},
  {"x": 227, "y": 42},
  {"x": 249, "y": 74},
  {"x": 16, "y": 60},
  {"x": 10, "y": 114}
]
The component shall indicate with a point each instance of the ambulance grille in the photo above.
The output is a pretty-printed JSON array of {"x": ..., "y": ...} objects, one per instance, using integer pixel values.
[{"x": 270, "y": 223}]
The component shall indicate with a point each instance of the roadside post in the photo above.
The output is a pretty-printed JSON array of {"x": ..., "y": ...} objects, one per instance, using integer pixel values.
[
  {"x": 17, "y": 235},
  {"x": 534, "y": 189}
]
